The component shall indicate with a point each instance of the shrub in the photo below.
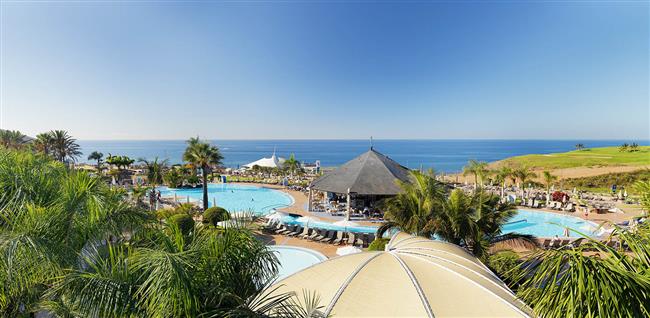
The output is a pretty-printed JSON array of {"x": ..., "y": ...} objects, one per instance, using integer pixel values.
[
  {"x": 559, "y": 196},
  {"x": 505, "y": 264},
  {"x": 184, "y": 222},
  {"x": 215, "y": 214},
  {"x": 378, "y": 244}
]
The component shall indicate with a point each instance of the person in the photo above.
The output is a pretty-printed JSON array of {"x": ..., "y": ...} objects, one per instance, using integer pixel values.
[{"x": 586, "y": 213}]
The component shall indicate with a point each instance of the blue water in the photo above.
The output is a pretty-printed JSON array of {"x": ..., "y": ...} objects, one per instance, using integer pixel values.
[
  {"x": 234, "y": 197},
  {"x": 540, "y": 224},
  {"x": 442, "y": 155},
  {"x": 295, "y": 259}
]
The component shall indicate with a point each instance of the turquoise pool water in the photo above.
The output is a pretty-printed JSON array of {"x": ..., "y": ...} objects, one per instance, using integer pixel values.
[
  {"x": 294, "y": 259},
  {"x": 234, "y": 197},
  {"x": 540, "y": 224}
]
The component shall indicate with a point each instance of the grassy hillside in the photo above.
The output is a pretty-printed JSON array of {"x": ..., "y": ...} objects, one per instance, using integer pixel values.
[
  {"x": 591, "y": 157},
  {"x": 603, "y": 183}
]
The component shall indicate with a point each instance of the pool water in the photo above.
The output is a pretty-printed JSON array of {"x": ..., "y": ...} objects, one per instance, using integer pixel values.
[
  {"x": 546, "y": 224},
  {"x": 234, "y": 197},
  {"x": 294, "y": 259},
  {"x": 538, "y": 223}
]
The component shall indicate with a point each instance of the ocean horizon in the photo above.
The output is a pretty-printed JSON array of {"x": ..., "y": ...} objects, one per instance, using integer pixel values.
[{"x": 443, "y": 155}]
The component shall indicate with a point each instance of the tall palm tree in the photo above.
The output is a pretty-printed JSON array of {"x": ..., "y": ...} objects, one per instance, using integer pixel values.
[
  {"x": 12, "y": 139},
  {"x": 580, "y": 146},
  {"x": 291, "y": 164},
  {"x": 155, "y": 170},
  {"x": 43, "y": 143},
  {"x": 501, "y": 176},
  {"x": 96, "y": 155},
  {"x": 548, "y": 180},
  {"x": 478, "y": 169},
  {"x": 64, "y": 147},
  {"x": 524, "y": 174},
  {"x": 412, "y": 208},
  {"x": 202, "y": 155}
]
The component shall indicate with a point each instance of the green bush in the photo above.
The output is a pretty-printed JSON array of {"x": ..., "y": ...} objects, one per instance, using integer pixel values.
[
  {"x": 378, "y": 244},
  {"x": 184, "y": 222},
  {"x": 215, "y": 215},
  {"x": 503, "y": 262}
]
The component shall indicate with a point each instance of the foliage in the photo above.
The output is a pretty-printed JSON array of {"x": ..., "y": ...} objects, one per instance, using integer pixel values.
[
  {"x": 580, "y": 147},
  {"x": 291, "y": 164},
  {"x": 576, "y": 282},
  {"x": 605, "y": 181},
  {"x": 559, "y": 196},
  {"x": 12, "y": 139},
  {"x": 184, "y": 222},
  {"x": 202, "y": 155},
  {"x": 64, "y": 250},
  {"x": 173, "y": 178},
  {"x": 505, "y": 263},
  {"x": 478, "y": 169},
  {"x": 121, "y": 162},
  {"x": 548, "y": 179},
  {"x": 155, "y": 170},
  {"x": 643, "y": 188},
  {"x": 43, "y": 144},
  {"x": 215, "y": 214},
  {"x": 64, "y": 147},
  {"x": 524, "y": 175},
  {"x": 96, "y": 155},
  {"x": 379, "y": 244}
]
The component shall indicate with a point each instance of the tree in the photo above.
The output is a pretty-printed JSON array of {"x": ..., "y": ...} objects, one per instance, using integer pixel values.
[
  {"x": 478, "y": 169},
  {"x": 624, "y": 147},
  {"x": 414, "y": 206},
  {"x": 548, "y": 180},
  {"x": 596, "y": 279},
  {"x": 501, "y": 176},
  {"x": 173, "y": 178},
  {"x": 96, "y": 155},
  {"x": 64, "y": 147},
  {"x": 12, "y": 139},
  {"x": 524, "y": 174},
  {"x": 580, "y": 146},
  {"x": 202, "y": 155},
  {"x": 291, "y": 164},
  {"x": 43, "y": 144},
  {"x": 155, "y": 171},
  {"x": 634, "y": 147},
  {"x": 214, "y": 215}
]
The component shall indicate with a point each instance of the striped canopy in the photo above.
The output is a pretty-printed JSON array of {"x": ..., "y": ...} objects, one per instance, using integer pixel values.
[{"x": 414, "y": 277}]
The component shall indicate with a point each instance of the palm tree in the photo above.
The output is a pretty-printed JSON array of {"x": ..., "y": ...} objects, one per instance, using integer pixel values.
[
  {"x": 64, "y": 147},
  {"x": 478, "y": 169},
  {"x": 414, "y": 206},
  {"x": 43, "y": 143},
  {"x": 580, "y": 146},
  {"x": 155, "y": 171},
  {"x": 524, "y": 174},
  {"x": 548, "y": 180},
  {"x": 96, "y": 155},
  {"x": 595, "y": 279},
  {"x": 12, "y": 139},
  {"x": 204, "y": 156},
  {"x": 291, "y": 164},
  {"x": 501, "y": 176}
]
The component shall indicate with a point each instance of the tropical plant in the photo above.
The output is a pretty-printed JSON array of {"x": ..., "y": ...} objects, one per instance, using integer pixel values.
[
  {"x": 549, "y": 178},
  {"x": 412, "y": 208},
  {"x": 202, "y": 155},
  {"x": 624, "y": 147},
  {"x": 643, "y": 188},
  {"x": 501, "y": 175},
  {"x": 184, "y": 222},
  {"x": 634, "y": 147},
  {"x": 64, "y": 147},
  {"x": 155, "y": 171},
  {"x": 291, "y": 164},
  {"x": 138, "y": 193},
  {"x": 580, "y": 146},
  {"x": 12, "y": 139},
  {"x": 173, "y": 178},
  {"x": 379, "y": 244},
  {"x": 98, "y": 156},
  {"x": 596, "y": 279},
  {"x": 479, "y": 169},
  {"x": 214, "y": 215},
  {"x": 524, "y": 174},
  {"x": 73, "y": 247},
  {"x": 43, "y": 144}
]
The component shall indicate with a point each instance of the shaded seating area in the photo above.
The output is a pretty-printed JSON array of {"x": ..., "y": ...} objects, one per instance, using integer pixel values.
[{"x": 355, "y": 188}]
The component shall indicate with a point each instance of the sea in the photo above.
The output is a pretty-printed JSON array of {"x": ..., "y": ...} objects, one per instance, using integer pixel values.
[{"x": 442, "y": 155}]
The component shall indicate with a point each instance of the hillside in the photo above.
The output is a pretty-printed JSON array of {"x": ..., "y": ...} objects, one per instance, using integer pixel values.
[{"x": 609, "y": 158}]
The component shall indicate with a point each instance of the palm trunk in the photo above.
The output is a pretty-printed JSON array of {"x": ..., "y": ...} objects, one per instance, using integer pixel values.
[{"x": 205, "y": 187}]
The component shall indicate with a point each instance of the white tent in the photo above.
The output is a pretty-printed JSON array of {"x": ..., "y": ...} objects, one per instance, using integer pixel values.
[{"x": 273, "y": 162}]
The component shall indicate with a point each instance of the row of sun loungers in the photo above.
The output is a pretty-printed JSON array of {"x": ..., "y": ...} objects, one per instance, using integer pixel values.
[
  {"x": 323, "y": 235},
  {"x": 569, "y": 243},
  {"x": 553, "y": 205}
]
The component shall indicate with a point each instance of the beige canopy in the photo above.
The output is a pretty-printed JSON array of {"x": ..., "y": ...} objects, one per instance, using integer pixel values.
[{"x": 414, "y": 277}]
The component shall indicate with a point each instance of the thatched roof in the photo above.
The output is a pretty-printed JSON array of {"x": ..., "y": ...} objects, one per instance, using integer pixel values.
[{"x": 371, "y": 173}]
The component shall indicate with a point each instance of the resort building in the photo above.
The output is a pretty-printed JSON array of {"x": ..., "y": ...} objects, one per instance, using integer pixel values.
[{"x": 272, "y": 162}]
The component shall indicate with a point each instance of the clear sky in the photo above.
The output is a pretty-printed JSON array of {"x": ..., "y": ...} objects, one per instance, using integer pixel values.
[{"x": 323, "y": 69}]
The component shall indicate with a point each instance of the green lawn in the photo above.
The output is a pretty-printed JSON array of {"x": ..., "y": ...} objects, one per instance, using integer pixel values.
[{"x": 591, "y": 157}]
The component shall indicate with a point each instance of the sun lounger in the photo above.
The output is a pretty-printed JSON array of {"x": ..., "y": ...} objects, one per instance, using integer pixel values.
[
  {"x": 360, "y": 241},
  {"x": 281, "y": 229},
  {"x": 308, "y": 233},
  {"x": 569, "y": 208},
  {"x": 351, "y": 238},
  {"x": 339, "y": 238},
  {"x": 546, "y": 244},
  {"x": 289, "y": 229},
  {"x": 298, "y": 230},
  {"x": 321, "y": 235},
  {"x": 329, "y": 237},
  {"x": 314, "y": 234},
  {"x": 536, "y": 204},
  {"x": 564, "y": 242}
]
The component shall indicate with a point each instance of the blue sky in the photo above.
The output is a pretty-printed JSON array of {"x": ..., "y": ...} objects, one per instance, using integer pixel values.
[{"x": 265, "y": 70}]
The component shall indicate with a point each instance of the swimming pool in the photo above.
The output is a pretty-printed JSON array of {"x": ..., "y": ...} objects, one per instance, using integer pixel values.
[
  {"x": 547, "y": 224},
  {"x": 234, "y": 197},
  {"x": 293, "y": 259},
  {"x": 538, "y": 223}
]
